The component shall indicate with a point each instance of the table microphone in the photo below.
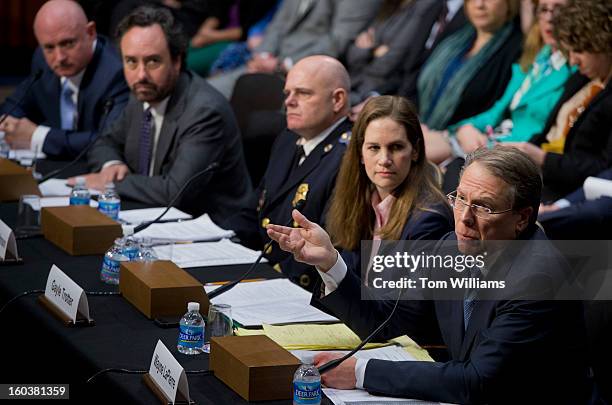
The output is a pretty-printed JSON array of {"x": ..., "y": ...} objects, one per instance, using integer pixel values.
[
  {"x": 108, "y": 105},
  {"x": 330, "y": 365},
  {"x": 33, "y": 80},
  {"x": 228, "y": 286},
  {"x": 128, "y": 230}
]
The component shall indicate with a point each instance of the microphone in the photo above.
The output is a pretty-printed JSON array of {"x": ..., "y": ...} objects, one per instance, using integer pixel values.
[
  {"x": 34, "y": 78},
  {"x": 226, "y": 287},
  {"x": 108, "y": 105},
  {"x": 129, "y": 231},
  {"x": 330, "y": 365}
]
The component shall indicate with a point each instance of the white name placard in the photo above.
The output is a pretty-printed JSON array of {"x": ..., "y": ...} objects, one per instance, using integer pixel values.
[
  {"x": 167, "y": 373},
  {"x": 66, "y": 295},
  {"x": 7, "y": 242}
]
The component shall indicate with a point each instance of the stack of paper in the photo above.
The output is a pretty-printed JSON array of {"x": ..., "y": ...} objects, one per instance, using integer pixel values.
[
  {"x": 361, "y": 397},
  {"x": 271, "y": 302},
  {"x": 140, "y": 216},
  {"x": 58, "y": 187},
  {"x": 61, "y": 202},
  {"x": 315, "y": 337},
  {"x": 199, "y": 229},
  {"x": 221, "y": 253}
]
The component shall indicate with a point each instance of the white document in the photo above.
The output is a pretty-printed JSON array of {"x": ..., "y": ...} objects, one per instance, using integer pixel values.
[
  {"x": 221, "y": 253},
  {"x": 168, "y": 374},
  {"x": 58, "y": 187},
  {"x": 362, "y": 397},
  {"x": 271, "y": 301},
  {"x": 59, "y": 202},
  {"x": 594, "y": 188},
  {"x": 199, "y": 229},
  {"x": 392, "y": 353},
  {"x": 67, "y": 295},
  {"x": 27, "y": 154},
  {"x": 149, "y": 214},
  {"x": 7, "y": 242}
]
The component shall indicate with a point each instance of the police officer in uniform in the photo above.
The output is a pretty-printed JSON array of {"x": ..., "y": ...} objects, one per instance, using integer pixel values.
[{"x": 304, "y": 160}]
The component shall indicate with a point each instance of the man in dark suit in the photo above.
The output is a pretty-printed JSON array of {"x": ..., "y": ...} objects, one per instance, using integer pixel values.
[
  {"x": 302, "y": 28},
  {"x": 80, "y": 90},
  {"x": 305, "y": 158},
  {"x": 174, "y": 126},
  {"x": 433, "y": 21},
  {"x": 574, "y": 217},
  {"x": 522, "y": 348}
]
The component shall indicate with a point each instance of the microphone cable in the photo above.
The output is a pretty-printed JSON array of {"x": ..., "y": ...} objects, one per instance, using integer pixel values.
[
  {"x": 108, "y": 105},
  {"x": 228, "y": 286},
  {"x": 210, "y": 167},
  {"x": 332, "y": 364},
  {"x": 35, "y": 78}
]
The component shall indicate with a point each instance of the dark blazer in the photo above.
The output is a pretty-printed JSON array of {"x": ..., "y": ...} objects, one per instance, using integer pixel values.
[
  {"x": 583, "y": 219},
  {"x": 102, "y": 96},
  {"x": 431, "y": 224},
  {"x": 588, "y": 146},
  {"x": 398, "y": 32},
  {"x": 277, "y": 194},
  {"x": 406, "y": 84},
  {"x": 322, "y": 27},
  {"x": 513, "y": 352},
  {"x": 489, "y": 83},
  {"x": 199, "y": 128}
]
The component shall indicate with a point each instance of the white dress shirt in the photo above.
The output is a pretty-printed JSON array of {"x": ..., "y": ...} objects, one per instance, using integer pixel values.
[
  {"x": 74, "y": 82},
  {"x": 158, "y": 111}
]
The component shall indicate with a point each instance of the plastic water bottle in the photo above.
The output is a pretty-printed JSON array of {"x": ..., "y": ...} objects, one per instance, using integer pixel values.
[
  {"x": 80, "y": 193},
  {"x": 5, "y": 149},
  {"x": 307, "y": 385},
  {"x": 191, "y": 334},
  {"x": 109, "y": 202},
  {"x": 146, "y": 253},
  {"x": 112, "y": 262}
]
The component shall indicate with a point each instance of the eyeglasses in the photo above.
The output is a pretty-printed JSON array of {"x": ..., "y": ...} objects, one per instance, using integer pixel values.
[
  {"x": 460, "y": 205},
  {"x": 542, "y": 11}
]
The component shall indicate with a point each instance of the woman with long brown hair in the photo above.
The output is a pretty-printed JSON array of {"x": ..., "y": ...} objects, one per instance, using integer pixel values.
[{"x": 386, "y": 189}]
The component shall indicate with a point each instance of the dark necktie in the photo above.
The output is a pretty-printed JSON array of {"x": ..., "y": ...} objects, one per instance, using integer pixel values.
[
  {"x": 469, "y": 302},
  {"x": 299, "y": 154},
  {"x": 146, "y": 141},
  {"x": 442, "y": 19}
]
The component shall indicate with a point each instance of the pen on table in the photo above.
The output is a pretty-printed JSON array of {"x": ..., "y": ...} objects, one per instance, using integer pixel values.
[{"x": 249, "y": 280}]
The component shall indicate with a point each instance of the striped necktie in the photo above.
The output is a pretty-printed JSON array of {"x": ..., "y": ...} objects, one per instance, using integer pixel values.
[
  {"x": 67, "y": 107},
  {"x": 145, "y": 143}
]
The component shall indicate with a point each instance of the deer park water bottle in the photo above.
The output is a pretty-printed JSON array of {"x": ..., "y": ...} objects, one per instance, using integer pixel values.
[
  {"x": 80, "y": 193},
  {"x": 307, "y": 385},
  {"x": 112, "y": 262},
  {"x": 191, "y": 332},
  {"x": 109, "y": 202}
]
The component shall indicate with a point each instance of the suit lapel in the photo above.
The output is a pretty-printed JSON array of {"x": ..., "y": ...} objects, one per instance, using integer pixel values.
[
  {"x": 311, "y": 163},
  {"x": 87, "y": 78},
  {"x": 134, "y": 109},
  {"x": 487, "y": 300},
  {"x": 300, "y": 15},
  {"x": 175, "y": 108},
  {"x": 281, "y": 164}
]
